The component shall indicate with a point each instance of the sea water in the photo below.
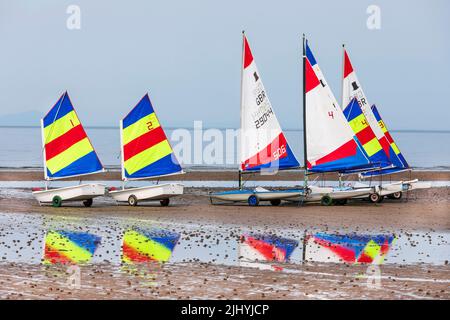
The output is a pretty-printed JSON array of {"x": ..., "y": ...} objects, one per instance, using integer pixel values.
[{"x": 21, "y": 147}]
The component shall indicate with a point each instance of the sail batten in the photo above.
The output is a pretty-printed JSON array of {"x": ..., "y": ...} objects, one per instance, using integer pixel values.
[
  {"x": 68, "y": 152},
  {"x": 146, "y": 151},
  {"x": 263, "y": 144}
]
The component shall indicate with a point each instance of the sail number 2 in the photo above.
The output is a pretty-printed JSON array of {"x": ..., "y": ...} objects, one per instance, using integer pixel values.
[{"x": 149, "y": 125}]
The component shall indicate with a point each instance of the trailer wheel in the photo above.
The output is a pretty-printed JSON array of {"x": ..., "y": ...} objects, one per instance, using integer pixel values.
[
  {"x": 396, "y": 195},
  {"x": 374, "y": 197},
  {"x": 56, "y": 201},
  {"x": 132, "y": 200},
  {"x": 275, "y": 202},
  {"x": 253, "y": 201},
  {"x": 326, "y": 200},
  {"x": 164, "y": 202},
  {"x": 88, "y": 202}
]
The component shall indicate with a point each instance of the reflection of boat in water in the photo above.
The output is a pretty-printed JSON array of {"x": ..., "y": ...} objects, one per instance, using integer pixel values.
[
  {"x": 67, "y": 247},
  {"x": 261, "y": 251},
  {"x": 139, "y": 245},
  {"x": 352, "y": 248}
]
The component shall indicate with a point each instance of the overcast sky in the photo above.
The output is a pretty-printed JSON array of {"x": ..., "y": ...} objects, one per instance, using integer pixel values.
[{"x": 187, "y": 55}]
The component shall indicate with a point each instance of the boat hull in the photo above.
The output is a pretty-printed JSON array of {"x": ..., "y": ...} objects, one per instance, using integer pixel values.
[
  {"x": 317, "y": 193},
  {"x": 267, "y": 195},
  {"x": 75, "y": 193},
  {"x": 149, "y": 193}
]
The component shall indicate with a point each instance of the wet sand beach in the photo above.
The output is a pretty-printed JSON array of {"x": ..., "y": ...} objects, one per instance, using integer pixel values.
[
  {"x": 205, "y": 262},
  {"x": 224, "y": 175}
]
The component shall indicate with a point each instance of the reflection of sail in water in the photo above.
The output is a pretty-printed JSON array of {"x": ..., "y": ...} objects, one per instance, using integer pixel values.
[
  {"x": 352, "y": 248},
  {"x": 140, "y": 245},
  {"x": 255, "y": 250},
  {"x": 67, "y": 247}
]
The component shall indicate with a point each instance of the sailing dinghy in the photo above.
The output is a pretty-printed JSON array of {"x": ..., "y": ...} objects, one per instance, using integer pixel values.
[
  {"x": 352, "y": 89},
  {"x": 263, "y": 145},
  {"x": 146, "y": 153},
  {"x": 329, "y": 143},
  {"x": 67, "y": 153}
]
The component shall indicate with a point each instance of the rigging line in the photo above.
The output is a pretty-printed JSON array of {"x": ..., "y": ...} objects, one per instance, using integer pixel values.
[{"x": 53, "y": 127}]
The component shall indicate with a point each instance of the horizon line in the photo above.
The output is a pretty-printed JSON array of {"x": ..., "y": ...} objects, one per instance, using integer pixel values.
[{"x": 224, "y": 128}]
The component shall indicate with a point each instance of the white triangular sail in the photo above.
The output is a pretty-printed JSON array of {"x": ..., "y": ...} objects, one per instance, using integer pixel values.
[
  {"x": 351, "y": 88},
  {"x": 262, "y": 142},
  {"x": 330, "y": 140}
]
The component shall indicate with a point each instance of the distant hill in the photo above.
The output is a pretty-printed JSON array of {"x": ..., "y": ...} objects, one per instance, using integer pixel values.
[{"x": 27, "y": 118}]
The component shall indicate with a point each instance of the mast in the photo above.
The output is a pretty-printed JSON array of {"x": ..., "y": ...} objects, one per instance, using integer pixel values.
[
  {"x": 305, "y": 156},
  {"x": 241, "y": 108},
  {"x": 342, "y": 80},
  {"x": 122, "y": 167}
]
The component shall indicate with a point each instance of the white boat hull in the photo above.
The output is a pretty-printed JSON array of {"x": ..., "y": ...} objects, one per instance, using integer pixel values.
[
  {"x": 262, "y": 194},
  {"x": 149, "y": 193},
  {"x": 401, "y": 186},
  {"x": 317, "y": 193},
  {"x": 75, "y": 193}
]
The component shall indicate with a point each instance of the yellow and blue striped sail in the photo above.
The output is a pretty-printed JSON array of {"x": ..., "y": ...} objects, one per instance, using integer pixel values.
[
  {"x": 395, "y": 155},
  {"x": 146, "y": 151},
  {"x": 68, "y": 247},
  {"x": 68, "y": 151},
  {"x": 140, "y": 245},
  {"x": 360, "y": 126}
]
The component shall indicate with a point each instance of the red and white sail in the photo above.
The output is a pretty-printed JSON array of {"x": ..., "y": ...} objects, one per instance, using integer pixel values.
[
  {"x": 262, "y": 142},
  {"x": 351, "y": 88},
  {"x": 330, "y": 140}
]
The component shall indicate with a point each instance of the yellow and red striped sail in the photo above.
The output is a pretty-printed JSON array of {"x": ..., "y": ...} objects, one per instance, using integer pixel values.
[
  {"x": 363, "y": 131},
  {"x": 68, "y": 247},
  {"x": 67, "y": 149},
  {"x": 146, "y": 151},
  {"x": 141, "y": 245}
]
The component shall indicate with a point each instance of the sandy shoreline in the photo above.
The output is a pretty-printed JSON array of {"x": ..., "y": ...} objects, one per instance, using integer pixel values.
[
  {"x": 224, "y": 175},
  {"x": 427, "y": 210},
  {"x": 203, "y": 281}
]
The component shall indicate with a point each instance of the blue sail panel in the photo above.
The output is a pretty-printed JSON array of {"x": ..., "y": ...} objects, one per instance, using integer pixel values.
[{"x": 365, "y": 135}]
